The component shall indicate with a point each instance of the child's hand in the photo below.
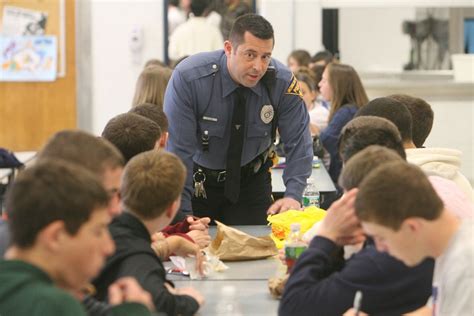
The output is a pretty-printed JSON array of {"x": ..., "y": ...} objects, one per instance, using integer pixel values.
[
  {"x": 201, "y": 238},
  {"x": 127, "y": 289},
  {"x": 184, "y": 248},
  {"x": 196, "y": 223},
  {"x": 352, "y": 312}
]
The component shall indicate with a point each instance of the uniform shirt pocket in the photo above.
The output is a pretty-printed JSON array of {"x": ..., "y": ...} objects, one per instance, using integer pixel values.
[{"x": 259, "y": 130}]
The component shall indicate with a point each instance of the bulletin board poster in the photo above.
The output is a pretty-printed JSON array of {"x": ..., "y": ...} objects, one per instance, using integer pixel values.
[
  {"x": 21, "y": 21},
  {"x": 28, "y": 58}
]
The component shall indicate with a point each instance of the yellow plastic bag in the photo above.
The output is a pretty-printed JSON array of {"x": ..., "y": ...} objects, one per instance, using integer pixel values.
[{"x": 281, "y": 222}]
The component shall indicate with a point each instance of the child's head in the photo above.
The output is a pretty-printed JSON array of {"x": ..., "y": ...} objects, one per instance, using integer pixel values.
[
  {"x": 341, "y": 85},
  {"x": 422, "y": 117},
  {"x": 58, "y": 216},
  {"x": 152, "y": 184},
  {"x": 394, "y": 203},
  {"x": 93, "y": 153},
  {"x": 322, "y": 58},
  {"x": 394, "y": 111},
  {"x": 369, "y": 130},
  {"x": 154, "y": 62},
  {"x": 157, "y": 115},
  {"x": 151, "y": 85},
  {"x": 307, "y": 85},
  {"x": 298, "y": 58},
  {"x": 132, "y": 134},
  {"x": 364, "y": 161}
]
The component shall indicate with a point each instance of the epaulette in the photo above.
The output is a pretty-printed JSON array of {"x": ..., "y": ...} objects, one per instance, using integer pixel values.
[{"x": 201, "y": 71}]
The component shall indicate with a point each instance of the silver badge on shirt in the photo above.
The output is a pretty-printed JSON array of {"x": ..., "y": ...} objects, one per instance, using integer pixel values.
[{"x": 266, "y": 114}]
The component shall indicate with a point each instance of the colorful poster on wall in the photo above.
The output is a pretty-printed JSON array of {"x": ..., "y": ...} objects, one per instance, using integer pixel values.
[
  {"x": 21, "y": 21},
  {"x": 28, "y": 58}
]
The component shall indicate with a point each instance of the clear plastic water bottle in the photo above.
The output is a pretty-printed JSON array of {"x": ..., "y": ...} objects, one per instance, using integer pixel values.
[
  {"x": 311, "y": 194},
  {"x": 294, "y": 246}
]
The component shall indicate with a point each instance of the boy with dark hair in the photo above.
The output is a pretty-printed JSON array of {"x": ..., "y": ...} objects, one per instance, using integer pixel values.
[
  {"x": 422, "y": 117},
  {"x": 399, "y": 208},
  {"x": 151, "y": 188},
  {"x": 364, "y": 161},
  {"x": 60, "y": 239},
  {"x": 156, "y": 114},
  {"x": 123, "y": 131},
  {"x": 132, "y": 134},
  {"x": 392, "y": 110},
  {"x": 323, "y": 283},
  {"x": 443, "y": 162},
  {"x": 94, "y": 154},
  {"x": 369, "y": 130}
]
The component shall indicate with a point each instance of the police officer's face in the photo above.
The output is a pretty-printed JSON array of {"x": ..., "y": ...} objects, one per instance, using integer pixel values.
[{"x": 248, "y": 62}]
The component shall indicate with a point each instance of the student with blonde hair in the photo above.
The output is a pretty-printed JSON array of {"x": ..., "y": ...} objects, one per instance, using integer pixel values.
[
  {"x": 151, "y": 85},
  {"x": 151, "y": 187},
  {"x": 342, "y": 87}
]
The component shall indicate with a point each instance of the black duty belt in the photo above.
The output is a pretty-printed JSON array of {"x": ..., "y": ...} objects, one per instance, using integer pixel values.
[{"x": 261, "y": 162}]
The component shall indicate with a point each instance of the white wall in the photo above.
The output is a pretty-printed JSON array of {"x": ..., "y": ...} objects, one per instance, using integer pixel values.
[
  {"x": 297, "y": 25},
  {"x": 114, "y": 71},
  {"x": 371, "y": 39}
]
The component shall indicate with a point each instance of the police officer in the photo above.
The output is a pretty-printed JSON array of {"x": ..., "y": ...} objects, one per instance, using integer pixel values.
[{"x": 223, "y": 109}]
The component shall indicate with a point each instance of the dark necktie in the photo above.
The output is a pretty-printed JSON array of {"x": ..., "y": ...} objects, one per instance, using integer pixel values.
[{"x": 234, "y": 153}]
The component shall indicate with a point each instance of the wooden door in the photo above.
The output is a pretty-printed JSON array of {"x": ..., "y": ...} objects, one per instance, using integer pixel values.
[{"x": 30, "y": 112}]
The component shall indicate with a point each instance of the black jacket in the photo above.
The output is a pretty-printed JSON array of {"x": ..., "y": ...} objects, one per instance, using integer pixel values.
[
  {"x": 134, "y": 257},
  {"x": 319, "y": 285}
]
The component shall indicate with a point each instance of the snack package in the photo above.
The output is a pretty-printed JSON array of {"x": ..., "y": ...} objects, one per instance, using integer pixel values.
[{"x": 280, "y": 223}]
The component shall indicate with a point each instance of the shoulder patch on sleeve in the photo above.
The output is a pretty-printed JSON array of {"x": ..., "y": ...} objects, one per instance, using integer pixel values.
[{"x": 294, "y": 87}]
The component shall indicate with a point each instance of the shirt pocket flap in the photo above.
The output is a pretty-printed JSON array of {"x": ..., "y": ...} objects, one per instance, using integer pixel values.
[
  {"x": 259, "y": 130},
  {"x": 213, "y": 128}
]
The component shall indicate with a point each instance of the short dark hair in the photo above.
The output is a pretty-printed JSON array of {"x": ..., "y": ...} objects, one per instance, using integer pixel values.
[
  {"x": 394, "y": 192},
  {"x": 152, "y": 112},
  {"x": 301, "y": 56},
  {"x": 392, "y": 110},
  {"x": 422, "y": 117},
  {"x": 323, "y": 55},
  {"x": 255, "y": 24},
  {"x": 364, "y": 131},
  {"x": 49, "y": 191},
  {"x": 132, "y": 134},
  {"x": 151, "y": 182},
  {"x": 360, "y": 165},
  {"x": 198, "y": 7},
  {"x": 79, "y": 147}
]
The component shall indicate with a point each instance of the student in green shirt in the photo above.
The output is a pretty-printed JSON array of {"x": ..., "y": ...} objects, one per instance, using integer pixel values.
[{"x": 58, "y": 218}]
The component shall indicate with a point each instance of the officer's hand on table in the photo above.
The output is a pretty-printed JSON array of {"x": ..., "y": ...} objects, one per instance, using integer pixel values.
[
  {"x": 283, "y": 205},
  {"x": 341, "y": 224},
  {"x": 201, "y": 238},
  {"x": 196, "y": 223},
  {"x": 127, "y": 289}
]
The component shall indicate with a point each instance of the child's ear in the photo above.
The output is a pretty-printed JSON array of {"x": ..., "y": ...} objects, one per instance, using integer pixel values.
[
  {"x": 173, "y": 208},
  {"x": 163, "y": 140},
  {"x": 51, "y": 237}
]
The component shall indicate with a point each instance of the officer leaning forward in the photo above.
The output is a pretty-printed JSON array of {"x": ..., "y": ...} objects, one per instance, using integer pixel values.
[{"x": 223, "y": 109}]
